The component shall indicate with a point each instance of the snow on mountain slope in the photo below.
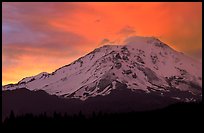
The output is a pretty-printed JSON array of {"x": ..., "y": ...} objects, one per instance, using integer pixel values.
[{"x": 141, "y": 63}]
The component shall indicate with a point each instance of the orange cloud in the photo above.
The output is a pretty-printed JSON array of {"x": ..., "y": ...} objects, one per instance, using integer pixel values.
[{"x": 55, "y": 34}]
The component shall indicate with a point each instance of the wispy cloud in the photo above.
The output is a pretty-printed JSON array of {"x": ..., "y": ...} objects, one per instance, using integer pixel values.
[
  {"x": 127, "y": 30},
  {"x": 54, "y": 34}
]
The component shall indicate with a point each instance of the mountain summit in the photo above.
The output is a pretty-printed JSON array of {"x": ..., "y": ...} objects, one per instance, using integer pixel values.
[{"x": 140, "y": 64}]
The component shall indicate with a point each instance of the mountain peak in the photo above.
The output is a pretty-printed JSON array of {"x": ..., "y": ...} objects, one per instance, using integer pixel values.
[
  {"x": 140, "y": 41},
  {"x": 141, "y": 63}
]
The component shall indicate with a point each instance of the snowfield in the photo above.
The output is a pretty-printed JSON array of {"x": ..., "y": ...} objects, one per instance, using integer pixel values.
[{"x": 139, "y": 63}]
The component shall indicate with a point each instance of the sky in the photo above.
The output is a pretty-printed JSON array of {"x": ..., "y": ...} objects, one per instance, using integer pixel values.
[{"x": 41, "y": 37}]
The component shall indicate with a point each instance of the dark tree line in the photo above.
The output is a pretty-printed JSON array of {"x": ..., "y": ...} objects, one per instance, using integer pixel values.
[{"x": 181, "y": 113}]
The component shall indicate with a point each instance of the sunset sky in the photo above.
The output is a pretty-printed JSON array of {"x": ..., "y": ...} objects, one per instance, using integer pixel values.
[{"x": 38, "y": 37}]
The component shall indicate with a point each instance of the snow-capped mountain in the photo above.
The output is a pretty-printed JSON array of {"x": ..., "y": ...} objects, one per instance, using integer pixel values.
[{"x": 139, "y": 64}]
